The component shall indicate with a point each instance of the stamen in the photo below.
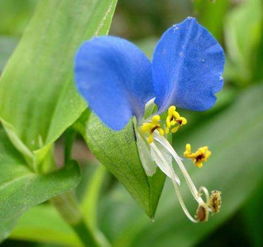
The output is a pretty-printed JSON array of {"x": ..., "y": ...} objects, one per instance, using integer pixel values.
[
  {"x": 149, "y": 128},
  {"x": 173, "y": 118},
  {"x": 204, "y": 208},
  {"x": 163, "y": 164},
  {"x": 198, "y": 157},
  {"x": 204, "y": 190},
  {"x": 178, "y": 160},
  {"x": 174, "y": 178},
  {"x": 162, "y": 152},
  {"x": 181, "y": 201}
]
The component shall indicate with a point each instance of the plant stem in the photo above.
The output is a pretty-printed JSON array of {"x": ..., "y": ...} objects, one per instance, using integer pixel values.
[
  {"x": 69, "y": 141},
  {"x": 68, "y": 208}
]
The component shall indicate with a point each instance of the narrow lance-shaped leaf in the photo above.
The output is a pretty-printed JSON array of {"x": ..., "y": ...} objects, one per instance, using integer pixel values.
[
  {"x": 21, "y": 189},
  {"x": 40, "y": 99}
]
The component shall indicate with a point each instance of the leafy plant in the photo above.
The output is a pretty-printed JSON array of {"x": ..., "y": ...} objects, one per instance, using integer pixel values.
[{"x": 45, "y": 198}]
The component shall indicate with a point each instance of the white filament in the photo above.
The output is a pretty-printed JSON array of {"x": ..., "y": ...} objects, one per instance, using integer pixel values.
[
  {"x": 205, "y": 191},
  {"x": 169, "y": 148},
  {"x": 181, "y": 201},
  {"x": 169, "y": 171},
  {"x": 163, "y": 164}
]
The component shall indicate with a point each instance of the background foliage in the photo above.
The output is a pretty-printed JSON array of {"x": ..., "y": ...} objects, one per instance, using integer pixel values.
[{"x": 38, "y": 104}]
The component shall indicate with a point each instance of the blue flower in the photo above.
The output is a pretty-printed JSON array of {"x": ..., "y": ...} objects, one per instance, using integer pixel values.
[{"x": 117, "y": 79}]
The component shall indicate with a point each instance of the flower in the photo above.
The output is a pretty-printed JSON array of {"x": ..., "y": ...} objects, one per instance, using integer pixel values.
[{"x": 119, "y": 82}]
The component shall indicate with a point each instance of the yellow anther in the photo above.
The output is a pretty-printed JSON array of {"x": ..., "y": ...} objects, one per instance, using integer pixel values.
[
  {"x": 198, "y": 157},
  {"x": 156, "y": 119},
  {"x": 149, "y": 128},
  {"x": 181, "y": 121},
  {"x": 161, "y": 131},
  {"x": 171, "y": 109},
  {"x": 150, "y": 138},
  {"x": 173, "y": 130},
  {"x": 145, "y": 127},
  {"x": 187, "y": 150},
  {"x": 174, "y": 118}
]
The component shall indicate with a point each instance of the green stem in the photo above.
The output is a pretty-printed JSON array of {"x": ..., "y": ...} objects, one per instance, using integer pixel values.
[
  {"x": 69, "y": 141},
  {"x": 68, "y": 208}
]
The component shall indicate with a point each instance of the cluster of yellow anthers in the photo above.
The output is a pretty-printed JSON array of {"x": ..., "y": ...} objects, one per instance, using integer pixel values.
[
  {"x": 173, "y": 122},
  {"x": 198, "y": 157}
]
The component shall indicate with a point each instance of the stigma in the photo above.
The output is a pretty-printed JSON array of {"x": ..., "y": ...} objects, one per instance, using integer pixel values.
[{"x": 155, "y": 131}]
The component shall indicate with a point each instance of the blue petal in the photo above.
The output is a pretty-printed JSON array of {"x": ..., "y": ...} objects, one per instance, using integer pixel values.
[
  {"x": 187, "y": 67},
  {"x": 114, "y": 77}
]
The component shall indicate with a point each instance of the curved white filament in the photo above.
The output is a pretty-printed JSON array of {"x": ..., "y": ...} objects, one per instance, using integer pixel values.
[
  {"x": 159, "y": 157},
  {"x": 169, "y": 148},
  {"x": 204, "y": 190},
  {"x": 163, "y": 164}
]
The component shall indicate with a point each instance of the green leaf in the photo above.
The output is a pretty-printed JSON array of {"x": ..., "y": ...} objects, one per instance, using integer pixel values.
[
  {"x": 211, "y": 14},
  {"x": 243, "y": 32},
  {"x": 7, "y": 45},
  {"x": 44, "y": 224},
  {"x": 21, "y": 189},
  {"x": 14, "y": 16},
  {"x": 38, "y": 77},
  {"x": 117, "y": 150},
  {"x": 235, "y": 168},
  {"x": 252, "y": 217}
]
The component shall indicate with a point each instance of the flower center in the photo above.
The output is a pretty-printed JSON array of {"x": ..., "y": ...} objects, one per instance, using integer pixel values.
[{"x": 155, "y": 131}]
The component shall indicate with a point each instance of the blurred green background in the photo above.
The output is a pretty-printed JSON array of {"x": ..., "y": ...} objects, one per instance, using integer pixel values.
[{"x": 233, "y": 129}]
